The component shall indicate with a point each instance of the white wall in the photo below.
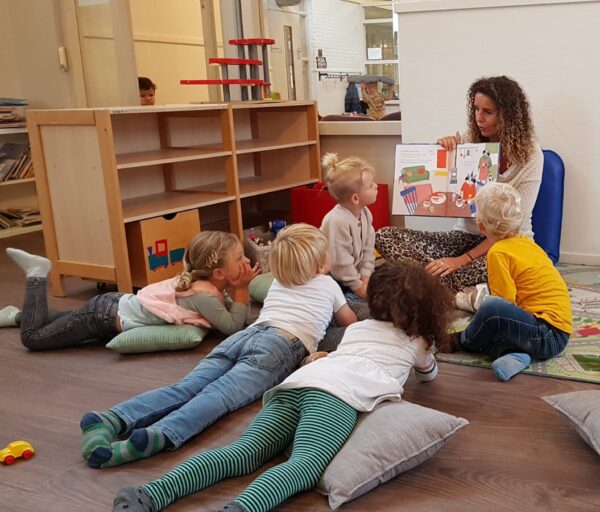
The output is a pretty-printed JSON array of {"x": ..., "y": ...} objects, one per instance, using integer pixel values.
[
  {"x": 336, "y": 27},
  {"x": 552, "y": 51}
]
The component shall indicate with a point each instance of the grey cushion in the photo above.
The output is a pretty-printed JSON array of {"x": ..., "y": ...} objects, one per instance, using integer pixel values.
[
  {"x": 582, "y": 409},
  {"x": 393, "y": 438},
  {"x": 156, "y": 338}
]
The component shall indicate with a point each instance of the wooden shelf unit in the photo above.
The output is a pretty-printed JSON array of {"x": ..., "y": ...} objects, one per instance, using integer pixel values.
[
  {"x": 17, "y": 193},
  {"x": 99, "y": 170}
]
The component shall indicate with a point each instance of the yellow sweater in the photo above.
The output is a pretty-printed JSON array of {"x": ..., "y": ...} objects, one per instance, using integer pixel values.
[{"x": 520, "y": 272}]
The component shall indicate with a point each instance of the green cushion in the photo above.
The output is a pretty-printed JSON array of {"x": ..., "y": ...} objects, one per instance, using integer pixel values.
[
  {"x": 154, "y": 338},
  {"x": 260, "y": 286}
]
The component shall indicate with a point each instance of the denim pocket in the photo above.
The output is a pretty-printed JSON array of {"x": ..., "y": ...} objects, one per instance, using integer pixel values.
[{"x": 269, "y": 352}]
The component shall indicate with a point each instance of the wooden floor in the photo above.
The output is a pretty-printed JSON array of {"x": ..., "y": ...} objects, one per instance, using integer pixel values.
[{"x": 517, "y": 453}]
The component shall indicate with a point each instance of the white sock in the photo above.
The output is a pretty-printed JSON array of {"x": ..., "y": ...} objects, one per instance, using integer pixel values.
[
  {"x": 8, "y": 316},
  {"x": 32, "y": 265}
]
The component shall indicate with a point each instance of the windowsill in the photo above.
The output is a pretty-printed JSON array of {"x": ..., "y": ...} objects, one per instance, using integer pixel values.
[
  {"x": 360, "y": 128},
  {"x": 408, "y": 6}
]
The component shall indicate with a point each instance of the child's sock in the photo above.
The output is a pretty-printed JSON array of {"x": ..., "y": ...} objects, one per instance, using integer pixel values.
[
  {"x": 99, "y": 430},
  {"x": 133, "y": 499},
  {"x": 143, "y": 443},
  {"x": 509, "y": 365},
  {"x": 32, "y": 265},
  {"x": 8, "y": 316}
]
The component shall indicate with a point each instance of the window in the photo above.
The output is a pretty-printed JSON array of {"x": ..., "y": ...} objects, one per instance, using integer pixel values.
[{"x": 381, "y": 38}]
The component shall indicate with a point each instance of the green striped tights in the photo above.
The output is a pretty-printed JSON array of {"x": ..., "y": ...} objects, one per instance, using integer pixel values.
[{"x": 317, "y": 422}]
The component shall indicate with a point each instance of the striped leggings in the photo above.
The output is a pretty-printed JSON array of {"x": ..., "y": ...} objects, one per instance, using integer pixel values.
[{"x": 318, "y": 424}]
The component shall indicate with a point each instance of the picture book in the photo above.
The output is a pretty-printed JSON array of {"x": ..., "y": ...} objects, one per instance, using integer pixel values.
[{"x": 430, "y": 181}]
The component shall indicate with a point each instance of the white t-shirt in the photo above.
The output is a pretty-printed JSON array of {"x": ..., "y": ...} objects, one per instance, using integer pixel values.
[
  {"x": 304, "y": 311},
  {"x": 370, "y": 365}
]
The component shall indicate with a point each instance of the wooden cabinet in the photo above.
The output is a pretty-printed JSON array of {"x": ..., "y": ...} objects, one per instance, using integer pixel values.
[
  {"x": 17, "y": 193},
  {"x": 99, "y": 170}
]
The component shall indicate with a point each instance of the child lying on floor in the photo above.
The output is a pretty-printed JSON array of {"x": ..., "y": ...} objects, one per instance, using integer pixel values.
[
  {"x": 318, "y": 405},
  {"x": 296, "y": 312},
  {"x": 213, "y": 263}
]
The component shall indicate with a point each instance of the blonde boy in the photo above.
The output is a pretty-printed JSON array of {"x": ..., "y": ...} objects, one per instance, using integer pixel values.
[
  {"x": 529, "y": 311},
  {"x": 349, "y": 224},
  {"x": 298, "y": 308}
]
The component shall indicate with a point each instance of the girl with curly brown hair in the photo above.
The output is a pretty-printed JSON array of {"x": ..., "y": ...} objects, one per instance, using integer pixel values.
[
  {"x": 317, "y": 406},
  {"x": 497, "y": 111}
]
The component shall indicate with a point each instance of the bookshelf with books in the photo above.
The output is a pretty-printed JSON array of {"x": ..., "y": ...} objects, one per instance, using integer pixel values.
[{"x": 19, "y": 210}]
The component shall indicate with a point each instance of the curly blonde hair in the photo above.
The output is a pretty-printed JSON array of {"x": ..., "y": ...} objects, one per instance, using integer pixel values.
[
  {"x": 499, "y": 210},
  {"x": 206, "y": 252},
  {"x": 515, "y": 127},
  {"x": 297, "y": 254},
  {"x": 345, "y": 177}
]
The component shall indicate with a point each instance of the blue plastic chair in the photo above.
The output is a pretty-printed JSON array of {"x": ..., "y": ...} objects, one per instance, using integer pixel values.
[{"x": 547, "y": 213}]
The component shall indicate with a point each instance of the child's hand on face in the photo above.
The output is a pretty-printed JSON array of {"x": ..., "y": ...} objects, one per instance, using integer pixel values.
[{"x": 247, "y": 273}]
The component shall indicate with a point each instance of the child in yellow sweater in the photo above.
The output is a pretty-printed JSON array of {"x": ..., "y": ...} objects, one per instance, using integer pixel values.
[{"x": 529, "y": 311}]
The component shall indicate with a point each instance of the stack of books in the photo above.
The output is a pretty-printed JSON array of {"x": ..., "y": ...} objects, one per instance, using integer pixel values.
[
  {"x": 19, "y": 217},
  {"x": 15, "y": 161},
  {"x": 12, "y": 113}
]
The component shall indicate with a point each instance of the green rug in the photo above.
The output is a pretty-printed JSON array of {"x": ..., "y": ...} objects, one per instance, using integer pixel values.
[{"x": 581, "y": 359}]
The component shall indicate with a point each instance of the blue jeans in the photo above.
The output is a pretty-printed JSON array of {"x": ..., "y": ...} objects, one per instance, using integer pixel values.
[
  {"x": 44, "y": 330},
  {"x": 500, "y": 327},
  {"x": 236, "y": 373}
]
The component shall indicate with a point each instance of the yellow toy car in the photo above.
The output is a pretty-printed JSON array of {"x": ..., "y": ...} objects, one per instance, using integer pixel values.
[{"x": 16, "y": 449}]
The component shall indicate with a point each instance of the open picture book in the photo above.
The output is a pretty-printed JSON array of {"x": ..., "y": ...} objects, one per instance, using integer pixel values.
[{"x": 430, "y": 181}]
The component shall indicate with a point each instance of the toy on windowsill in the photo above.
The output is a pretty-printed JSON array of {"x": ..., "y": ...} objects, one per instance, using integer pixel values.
[{"x": 15, "y": 450}]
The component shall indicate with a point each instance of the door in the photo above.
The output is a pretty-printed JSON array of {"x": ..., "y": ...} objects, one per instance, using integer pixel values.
[
  {"x": 289, "y": 74},
  {"x": 289, "y": 62}
]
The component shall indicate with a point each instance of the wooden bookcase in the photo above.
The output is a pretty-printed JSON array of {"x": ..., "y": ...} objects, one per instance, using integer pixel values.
[
  {"x": 17, "y": 193},
  {"x": 100, "y": 171}
]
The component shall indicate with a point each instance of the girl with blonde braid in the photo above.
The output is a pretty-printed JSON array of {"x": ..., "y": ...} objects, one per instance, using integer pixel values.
[
  {"x": 213, "y": 262},
  {"x": 296, "y": 312}
]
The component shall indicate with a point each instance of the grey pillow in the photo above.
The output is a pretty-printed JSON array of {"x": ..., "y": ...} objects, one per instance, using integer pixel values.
[
  {"x": 582, "y": 409},
  {"x": 393, "y": 438}
]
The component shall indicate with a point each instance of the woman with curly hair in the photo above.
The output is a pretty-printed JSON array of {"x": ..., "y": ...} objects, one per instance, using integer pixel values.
[
  {"x": 497, "y": 111},
  {"x": 316, "y": 408}
]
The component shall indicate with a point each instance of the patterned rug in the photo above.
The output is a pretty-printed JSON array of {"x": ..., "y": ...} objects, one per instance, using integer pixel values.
[{"x": 581, "y": 359}]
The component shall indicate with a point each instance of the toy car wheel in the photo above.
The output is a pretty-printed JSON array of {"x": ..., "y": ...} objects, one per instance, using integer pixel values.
[
  {"x": 27, "y": 454},
  {"x": 9, "y": 460}
]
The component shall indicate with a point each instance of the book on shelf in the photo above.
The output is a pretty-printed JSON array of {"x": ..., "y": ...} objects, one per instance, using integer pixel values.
[
  {"x": 12, "y": 115},
  {"x": 13, "y": 102},
  {"x": 15, "y": 161},
  {"x": 19, "y": 217},
  {"x": 431, "y": 181}
]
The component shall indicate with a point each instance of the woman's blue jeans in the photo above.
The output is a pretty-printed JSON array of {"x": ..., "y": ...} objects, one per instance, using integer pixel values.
[
  {"x": 236, "y": 373},
  {"x": 500, "y": 327}
]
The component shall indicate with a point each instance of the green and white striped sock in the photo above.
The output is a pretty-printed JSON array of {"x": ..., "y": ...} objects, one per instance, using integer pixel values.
[
  {"x": 143, "y": 443},
  {"x": 99, "y": 430}
]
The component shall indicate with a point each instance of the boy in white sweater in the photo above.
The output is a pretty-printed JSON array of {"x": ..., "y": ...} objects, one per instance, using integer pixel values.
[{"x": 349, "y": 225}]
